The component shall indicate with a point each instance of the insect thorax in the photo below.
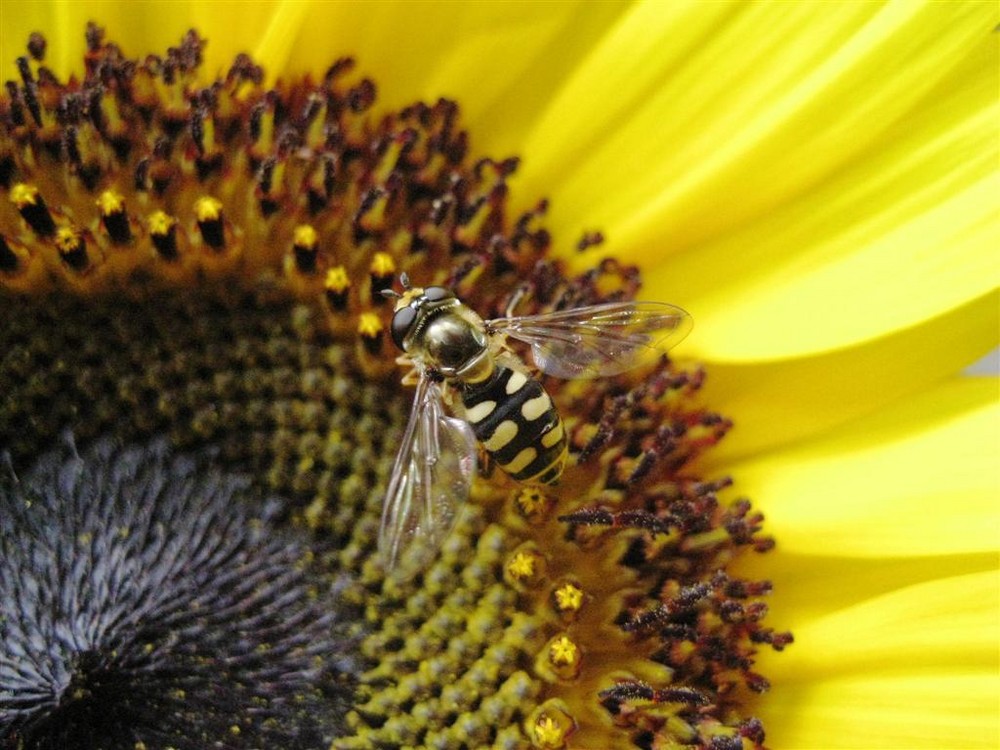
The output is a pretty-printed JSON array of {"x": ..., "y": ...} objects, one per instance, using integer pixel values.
[{"x": 454, "y": 343}]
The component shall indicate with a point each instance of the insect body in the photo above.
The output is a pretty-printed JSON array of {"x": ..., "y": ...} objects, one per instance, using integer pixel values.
[
  {"x": 513, "y": 418},
  {"x": 455, "y": 353}
]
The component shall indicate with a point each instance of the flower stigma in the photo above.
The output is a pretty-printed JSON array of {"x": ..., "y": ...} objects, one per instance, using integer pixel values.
[{"x": 204, "y": 260}]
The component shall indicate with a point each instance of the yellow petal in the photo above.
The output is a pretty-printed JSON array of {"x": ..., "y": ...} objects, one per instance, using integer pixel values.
[
  {"x": 862, "y": 257},
  {"x": 934, "y": 712},
  {"x": 785, "y": 181},
  {"x": 703, "y": 115},
  {"x": 808, "y": 586},
  {"x": 917, "y": 479},
  {"x": 914, "y": 668},
  {"x": 501, "y": 61},
  {"x": 777, "y": 403}
]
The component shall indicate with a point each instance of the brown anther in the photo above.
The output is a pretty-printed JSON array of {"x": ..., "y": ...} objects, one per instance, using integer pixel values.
[
  {"x": 36, "y": 46},
  {"x": 29, "y": 91},
  {"x": 664, "y": 441},
  {"x": 321, "y": 183},
  {"x": 209, "y": 159},
  {"x": 757, "y": 682},
  {"x": 627, "y": 519},
  {"x": 686, "y": 600},
  {"x": 362, "y": 96},
  {"x": 637, "y": 691},
  {"x": 31, "y": 206},
  {"x": 270, "y": 190},
  {"x": 371, "y": 213},
  {"x": 589, "y": 240}
]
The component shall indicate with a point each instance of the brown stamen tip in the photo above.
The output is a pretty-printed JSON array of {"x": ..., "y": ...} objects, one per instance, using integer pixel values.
[
  {"x": 637, "y": 691},
  {"x": 683, "y": 602},
  {"x": 626, "y": 519},
  {"x": 589, "y": 240},
  {"x": 36, "y": 46},
  {"x": 270, "y": 190}
]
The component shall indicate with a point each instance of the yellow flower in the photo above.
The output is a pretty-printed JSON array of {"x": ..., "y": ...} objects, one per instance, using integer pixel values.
[{"x": 816, "y": 183}]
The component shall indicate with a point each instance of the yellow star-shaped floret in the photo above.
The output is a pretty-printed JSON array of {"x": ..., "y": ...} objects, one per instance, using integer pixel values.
[
  {"x": 563, "y": 652},
  {"x": 569, "y": 598},
  {"x": 548, "y": 733},
  {"x": 521, "y": 566}
]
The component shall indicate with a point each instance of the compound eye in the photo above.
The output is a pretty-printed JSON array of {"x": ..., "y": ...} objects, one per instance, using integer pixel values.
[
  {"x": 402, "y": 321},
  {"x": 437, "y": 293}
]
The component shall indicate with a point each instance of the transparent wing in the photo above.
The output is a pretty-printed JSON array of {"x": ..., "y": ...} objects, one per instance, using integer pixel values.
[
  {"x": 598, "y": 340},
  {"x": 432, "y": 474}
]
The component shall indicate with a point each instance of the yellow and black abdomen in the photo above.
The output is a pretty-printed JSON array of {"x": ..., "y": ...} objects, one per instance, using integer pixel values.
[{"x": 513, "y": 418}]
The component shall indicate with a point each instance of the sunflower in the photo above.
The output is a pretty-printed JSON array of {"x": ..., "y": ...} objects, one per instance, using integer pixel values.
[{"x": 815, "y": 183}]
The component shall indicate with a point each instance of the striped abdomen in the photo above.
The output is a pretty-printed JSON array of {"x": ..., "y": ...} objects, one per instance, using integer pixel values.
[{"x": 513, "y": 418}]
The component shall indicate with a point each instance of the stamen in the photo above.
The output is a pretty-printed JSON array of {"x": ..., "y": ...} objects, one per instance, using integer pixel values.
[
  {"x": 371, "y": 332},
  {"x": 33, "y": 210},
  {"x": 381, "y": 273},
  {"x": 113, "y": 217},
  {"x": 72, "y": 248},
  {"x": 208, "y": 212},
  {"x": 525, "y": 568},
  {"x": 163, "y": 234},
  {"x": 338, "y": 286},
  {"x": 551, "y": 725},
  {"x": 305, "y": 244},
  {"x": 563, "y": 657},
  {"x": 567, "y": 599}
]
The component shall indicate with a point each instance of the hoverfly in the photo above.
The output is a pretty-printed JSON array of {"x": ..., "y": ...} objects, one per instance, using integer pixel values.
[{"x": 499, "y": 405}]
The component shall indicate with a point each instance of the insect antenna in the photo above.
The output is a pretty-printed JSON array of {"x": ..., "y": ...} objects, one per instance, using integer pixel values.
[{"x": 404, "y": 279}]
